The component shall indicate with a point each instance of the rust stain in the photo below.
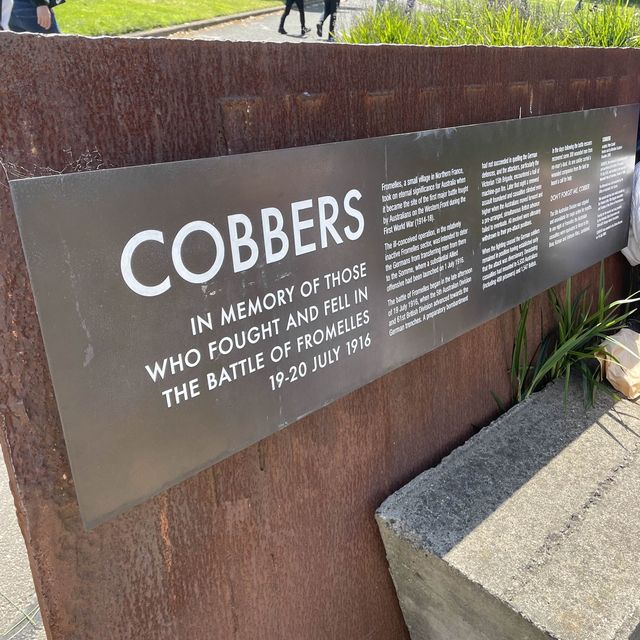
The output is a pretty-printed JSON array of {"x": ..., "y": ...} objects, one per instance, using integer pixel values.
[{"x": 167, "y": 547}]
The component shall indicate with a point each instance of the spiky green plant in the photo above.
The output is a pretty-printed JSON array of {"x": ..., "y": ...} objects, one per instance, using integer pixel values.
[{"x": 574, "y": 345}]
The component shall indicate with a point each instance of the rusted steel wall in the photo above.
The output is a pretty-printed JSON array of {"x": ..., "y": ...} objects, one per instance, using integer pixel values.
[{"x": 279, "y": 541}]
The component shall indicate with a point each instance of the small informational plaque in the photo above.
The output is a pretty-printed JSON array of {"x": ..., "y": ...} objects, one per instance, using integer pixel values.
[{"x": 190, "y": 309}]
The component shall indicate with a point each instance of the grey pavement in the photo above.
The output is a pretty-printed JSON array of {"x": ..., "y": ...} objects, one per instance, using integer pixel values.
[
  {"x": 265, "y": 28},
  {"x": 19, "y": 615}
]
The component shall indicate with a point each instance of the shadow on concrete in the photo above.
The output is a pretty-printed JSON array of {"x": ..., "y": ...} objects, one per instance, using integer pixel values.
[{"x": 470, "y": 485}]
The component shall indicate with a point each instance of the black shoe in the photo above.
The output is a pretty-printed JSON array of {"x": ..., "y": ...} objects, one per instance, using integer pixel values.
[
  {"x": 305, "y": 30},
  {"x": 331, "y": 38},
  {"x": 319, "y": 30},
  {"x": 282, "y": 31}
]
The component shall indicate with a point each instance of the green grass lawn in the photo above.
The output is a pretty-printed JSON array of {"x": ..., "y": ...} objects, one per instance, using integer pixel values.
[{"x": 112, "y": 17}]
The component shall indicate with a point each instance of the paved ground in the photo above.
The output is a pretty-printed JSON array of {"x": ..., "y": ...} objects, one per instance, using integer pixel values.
[
  {"x": 265, "y": 28},
  {"x": 17, "y": 595}
]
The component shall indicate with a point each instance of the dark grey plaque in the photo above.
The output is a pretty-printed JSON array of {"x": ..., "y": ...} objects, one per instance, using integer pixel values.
[{"x": 191, "y": 309}]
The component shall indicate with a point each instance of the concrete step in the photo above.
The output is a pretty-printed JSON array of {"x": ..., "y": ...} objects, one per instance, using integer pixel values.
[{"x": 530, "y": 530}]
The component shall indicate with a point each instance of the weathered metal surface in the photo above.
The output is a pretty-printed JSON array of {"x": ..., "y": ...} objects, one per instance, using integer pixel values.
[{"x": 278, "y": 541}]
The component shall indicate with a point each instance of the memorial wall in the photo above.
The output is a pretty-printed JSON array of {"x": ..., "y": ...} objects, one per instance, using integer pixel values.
[{"x": 279, "y": 539}]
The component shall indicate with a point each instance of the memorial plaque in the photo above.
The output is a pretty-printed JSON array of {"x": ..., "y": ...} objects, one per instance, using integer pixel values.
[{"x": 190, "y": 309}]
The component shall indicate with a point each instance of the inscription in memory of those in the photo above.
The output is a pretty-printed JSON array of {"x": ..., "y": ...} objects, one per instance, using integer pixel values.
[{"x": 190, "y": 309}]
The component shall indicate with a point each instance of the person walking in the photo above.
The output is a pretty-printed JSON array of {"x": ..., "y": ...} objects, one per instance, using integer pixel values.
[
  {"x": 34, "y": 16},
  {"x": 330, "y": 9},
  {"x": 287, "y": 10}
]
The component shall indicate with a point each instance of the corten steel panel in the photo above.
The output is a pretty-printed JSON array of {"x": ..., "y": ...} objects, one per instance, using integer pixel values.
[{"x": 279, "y": 541}]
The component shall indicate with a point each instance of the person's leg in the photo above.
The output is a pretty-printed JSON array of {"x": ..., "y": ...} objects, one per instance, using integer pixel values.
[
  {"x": 325, "y": 15},
  {"x": 300, "y": 4},
  {"x": 332, "y": 26},
  {"x": 332, "y": 21},
  {"x": 287, "y": 10}
]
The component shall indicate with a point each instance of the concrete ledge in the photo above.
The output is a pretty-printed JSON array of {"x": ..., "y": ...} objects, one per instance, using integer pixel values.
[{"x": 530, "y": 530}]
